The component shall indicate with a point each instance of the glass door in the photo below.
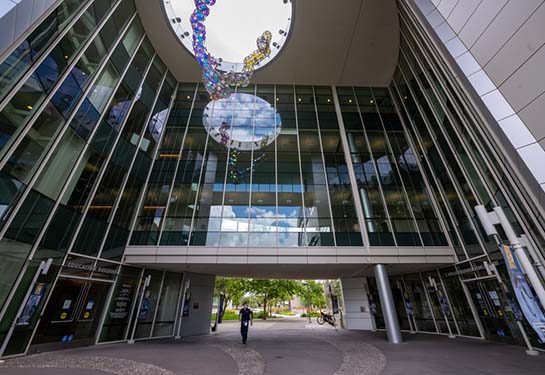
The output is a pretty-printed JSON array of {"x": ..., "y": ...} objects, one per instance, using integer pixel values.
[
  {"x": 490, "y": 300},
  {"x": 72, "y": 315}
]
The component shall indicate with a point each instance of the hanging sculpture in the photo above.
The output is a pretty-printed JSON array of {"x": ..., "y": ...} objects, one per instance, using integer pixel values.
[
  {"x": 235, "y": 174},
  {"x": 215, "y": 81}
]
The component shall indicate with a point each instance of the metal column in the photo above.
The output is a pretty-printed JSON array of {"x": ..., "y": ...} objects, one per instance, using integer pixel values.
[{"x": 387, "y": 302}]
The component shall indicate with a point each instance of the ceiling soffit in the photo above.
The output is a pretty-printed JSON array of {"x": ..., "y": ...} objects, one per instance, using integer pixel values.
[{"x": 352, "y": 42}]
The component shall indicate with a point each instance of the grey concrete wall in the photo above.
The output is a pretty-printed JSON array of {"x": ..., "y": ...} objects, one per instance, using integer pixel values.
[
  {"x": 356, "y": 304},
  {"x": 202, "y": 293},
  {"x": 17, "y": 16}
]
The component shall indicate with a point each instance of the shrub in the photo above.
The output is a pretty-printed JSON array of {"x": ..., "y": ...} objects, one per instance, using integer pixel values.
[
  {"x": 313, "y": 314},
  {"x": 259, "y": 315}
]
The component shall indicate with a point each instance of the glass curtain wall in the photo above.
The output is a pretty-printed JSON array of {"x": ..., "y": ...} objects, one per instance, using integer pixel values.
[
  {"x": 29, "y": 190},
  {"x": 83, "y": 105},
  {"x": 462, "y": 170},
  {"x": 396, "y": 204},
  {"x": 293, "y": 190}
]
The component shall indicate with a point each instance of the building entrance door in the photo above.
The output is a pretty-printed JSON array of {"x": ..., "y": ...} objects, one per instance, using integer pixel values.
[
  {"x": 493, "y": 310},
  {"x": 72, "y": 315}
]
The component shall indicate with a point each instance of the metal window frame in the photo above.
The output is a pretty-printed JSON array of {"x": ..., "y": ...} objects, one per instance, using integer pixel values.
[
  {"x": 123, "y": 185},
  {"x": 27, "y": 189},
  {"x": 351, "y": 173}
]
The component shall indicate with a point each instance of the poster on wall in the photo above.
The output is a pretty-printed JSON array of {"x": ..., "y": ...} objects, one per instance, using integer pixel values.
[
  {"x": 122, "y": 302},
  {"x": 186, "y": 304},
  {"x": 31, "y": 304},
  {"x": 409, "y": 309},
  {"x": 525, "y": 296},
  {"x": 335, "y": 304},
  {"x": 145, "y": 306}
]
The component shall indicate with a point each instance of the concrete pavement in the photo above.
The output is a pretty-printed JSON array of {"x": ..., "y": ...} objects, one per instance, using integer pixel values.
[{"x": 288, "y": 346}]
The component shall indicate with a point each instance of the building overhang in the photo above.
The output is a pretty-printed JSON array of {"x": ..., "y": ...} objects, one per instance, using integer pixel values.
[
  {"x": 348, "y": 43},
  {"x": 297, "y": 262}
]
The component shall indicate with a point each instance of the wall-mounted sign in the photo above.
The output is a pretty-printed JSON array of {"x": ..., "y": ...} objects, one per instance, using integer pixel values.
[
  {"x": 122, "y": 302},
  {"x": 186, "y": 303},
  {"x": 31, "y": 304},
  {"x": 90, "y": 267},
  {"x": 145, "y": 306}
]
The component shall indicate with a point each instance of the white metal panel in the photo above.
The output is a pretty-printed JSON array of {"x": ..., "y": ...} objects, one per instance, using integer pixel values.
[
  {"x": 479, "y": 21},
  {"x": 511, "y": 17},
  {"x": 522, "y": 46},
  {"x": 534, "y": 117},
  {"x": 526, "y": 84},
  {"x": 461, "y": 13}
]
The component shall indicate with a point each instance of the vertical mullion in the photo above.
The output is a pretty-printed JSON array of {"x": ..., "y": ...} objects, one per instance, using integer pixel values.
[
  {"x": 173, "y": 183},
  {"x": 305, "y": 243},
  {"x": 111, "y": 218},
  {"x": 377, "y": 172},
  {"x": 396, "y": 167},
  {"x": 142, "y": 194},
  {"x": 325, "y": 169}
]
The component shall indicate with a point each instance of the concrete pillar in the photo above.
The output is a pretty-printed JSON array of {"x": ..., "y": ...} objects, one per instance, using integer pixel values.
[{"x": 387, "y": 303}]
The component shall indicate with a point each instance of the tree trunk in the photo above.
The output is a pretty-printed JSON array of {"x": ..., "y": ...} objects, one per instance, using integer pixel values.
[
  {"x": 224, "y": 303},
  {"x": 264, "y": 308}
]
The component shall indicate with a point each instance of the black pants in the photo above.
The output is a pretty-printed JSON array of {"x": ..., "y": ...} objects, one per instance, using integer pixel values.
[{"x": 244, "y": 330}]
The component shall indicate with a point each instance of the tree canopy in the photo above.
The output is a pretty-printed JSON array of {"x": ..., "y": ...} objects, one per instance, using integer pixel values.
[{"x": 268, "y": 291}]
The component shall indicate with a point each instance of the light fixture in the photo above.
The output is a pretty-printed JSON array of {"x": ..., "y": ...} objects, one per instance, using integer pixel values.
[
  {"x": 349, "y": 100},
  {"x": 371, "y": 101},
  {"x": 29, "y": 107},
  {"x": 299, "y": 99},
  {"x": 188, "y": 97},
  {"x": 328, "y": 100}
]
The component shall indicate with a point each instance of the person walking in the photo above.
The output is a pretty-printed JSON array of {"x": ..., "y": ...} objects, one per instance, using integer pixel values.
[{"x": 246, "y": 317}]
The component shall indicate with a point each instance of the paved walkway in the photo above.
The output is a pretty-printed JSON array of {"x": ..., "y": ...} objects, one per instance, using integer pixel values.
[{"x": 286, "y": 347}]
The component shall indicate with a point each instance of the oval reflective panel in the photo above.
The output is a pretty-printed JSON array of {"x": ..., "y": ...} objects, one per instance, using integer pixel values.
[{"x": 242, "y": 121}]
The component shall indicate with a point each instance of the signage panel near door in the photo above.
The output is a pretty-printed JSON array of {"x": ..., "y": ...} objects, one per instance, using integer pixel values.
[{"x": 32, "y": 304}]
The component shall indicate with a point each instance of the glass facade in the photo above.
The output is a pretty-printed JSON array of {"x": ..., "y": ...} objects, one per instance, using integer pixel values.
[
  {"x": 82, "y": 107},
  {"x": 293, "y": 190},
  {"x": 102, "y": 149},
  {"x": 463, "y": 170}
]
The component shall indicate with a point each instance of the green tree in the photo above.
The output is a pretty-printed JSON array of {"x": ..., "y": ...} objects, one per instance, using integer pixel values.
[
  {"x": 273, "y": 290},
  {"x": 232, "y": 290},
  {"x": 314, "y": 292}
]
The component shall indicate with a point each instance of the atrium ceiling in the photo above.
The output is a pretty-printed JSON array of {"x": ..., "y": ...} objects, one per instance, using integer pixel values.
[{"x": 353, "y": 42}]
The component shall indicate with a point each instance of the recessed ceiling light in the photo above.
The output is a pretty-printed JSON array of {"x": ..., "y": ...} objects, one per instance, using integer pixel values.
[
  {"x": 349, "y": 100},
  {"x": 371, "y": 101},
  {"x": 29, "y": 107}
]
